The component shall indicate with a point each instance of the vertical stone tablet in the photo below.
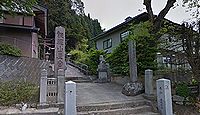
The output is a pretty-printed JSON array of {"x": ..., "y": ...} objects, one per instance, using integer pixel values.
[
  {"x": 132, "y": 60},
  {"x": 59, "y": 49},
  {"x": 164, "y": 97}
]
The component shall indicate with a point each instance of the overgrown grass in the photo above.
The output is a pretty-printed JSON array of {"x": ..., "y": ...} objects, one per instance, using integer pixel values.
[
  {"x": 7, "y": 49},
  {"x": 13, "y": 92}
]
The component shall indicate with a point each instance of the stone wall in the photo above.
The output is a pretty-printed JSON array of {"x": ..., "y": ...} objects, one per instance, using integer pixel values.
[{"x": 21, "y": 68}]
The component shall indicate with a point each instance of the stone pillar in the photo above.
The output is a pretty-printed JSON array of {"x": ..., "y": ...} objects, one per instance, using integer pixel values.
[
  {"x": 132, "y": 60},
  {"x": 159, "y": 59},
  {"x": 70, "y": 98},
  {"x": 61, "y": 85},
  {"x": 59, "y": 49},
  {"x": 148, "y": 82},
  {"x": 164, "y": 97},
  {"x": 43, "y": 87}
]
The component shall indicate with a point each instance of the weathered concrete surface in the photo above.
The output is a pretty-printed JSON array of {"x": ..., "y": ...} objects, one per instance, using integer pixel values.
[
  {"x": 73, "y": 72},
  {"x": 21, "y": 68},
  {"x": 107, "y": 99},
  {"x": 30, "y": 111},
  {"x": 91, "y": 93}
]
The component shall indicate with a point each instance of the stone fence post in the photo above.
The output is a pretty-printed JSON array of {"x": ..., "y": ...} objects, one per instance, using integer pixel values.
[
  {"x": 70, "y": 98},
  {"x": 148, "y": 82},
  {"x": 43, "y": 87},
  {"x": 164, "y": 98},
  {"x": 61, "y": 85}
]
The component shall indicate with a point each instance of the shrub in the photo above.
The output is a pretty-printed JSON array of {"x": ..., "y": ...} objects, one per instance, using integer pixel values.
[
  {"x": 119, "y": 60},
  {"x": 78, "y": 56},
  {"x": 7, "y": 49},
  {"x": 93, "y": 60},
  {"x": 146, "y": 48},
  {"x": 16, "y": 92},
  {"x": 182, "y": 90}
]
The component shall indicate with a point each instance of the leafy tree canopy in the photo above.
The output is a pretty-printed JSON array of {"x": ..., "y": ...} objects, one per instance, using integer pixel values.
[
  {"x": 16, "y": 6},
  {"x": 79, "y": 27},
  {"x": 146, "y": 49},
  {"x": 187, "y": 38}
]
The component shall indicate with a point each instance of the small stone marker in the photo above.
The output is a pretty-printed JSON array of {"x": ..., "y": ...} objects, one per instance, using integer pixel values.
[
  {"x": 61, "y": 85},
  {"x": 43, "y": 87},
  {"x": 148, "y": 82},
  {"x": 70, "y": 98},
  {"x": 164, "y": 97}
]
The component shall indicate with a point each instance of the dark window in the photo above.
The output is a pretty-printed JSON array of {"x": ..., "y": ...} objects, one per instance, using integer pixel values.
[
  {"x": 124, "y": 35},
  {"x": 107, "y": 44},
  {"x": 1, "y": 19}
]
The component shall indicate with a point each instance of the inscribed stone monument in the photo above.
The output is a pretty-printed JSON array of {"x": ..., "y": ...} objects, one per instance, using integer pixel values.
[
  {"x": 59, "y": 49},
  {"x": 134, "y": 87},
  {"x": 132, "y": 60},
  {"x": 164, "y": 98},
  {"x": 60, "y": 61}
]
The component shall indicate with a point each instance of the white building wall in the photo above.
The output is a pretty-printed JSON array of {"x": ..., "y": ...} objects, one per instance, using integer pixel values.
[{"x": 116, "y": 40}]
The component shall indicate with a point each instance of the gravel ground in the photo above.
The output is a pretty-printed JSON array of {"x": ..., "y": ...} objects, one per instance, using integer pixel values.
[{"x": 185, "y": 110}]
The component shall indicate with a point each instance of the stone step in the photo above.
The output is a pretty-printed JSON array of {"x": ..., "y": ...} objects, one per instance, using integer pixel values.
[
  {"x": 78, "y": 79},
  {"x": 30, "y": 111},
  {"x": 146, "y": 113},
  {"x": 112, "y": 105},
  {"x": 82, "y": 81},
  {"x": 122, "y": 111}
]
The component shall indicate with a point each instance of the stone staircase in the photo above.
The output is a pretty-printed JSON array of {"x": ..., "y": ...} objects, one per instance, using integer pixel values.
[
  {"x": 139, "y": 107},
  {"x": 79, "y": 79}
]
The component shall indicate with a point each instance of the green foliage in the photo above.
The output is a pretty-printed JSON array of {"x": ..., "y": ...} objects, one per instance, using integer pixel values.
[
  {"x": 14, "y": 6},
  {"x": 79, "y": 27},
  {"x": 16, "y": 92},
  {"x": 146, "y": 49},
  {"x": 7, "y": 49},
  {"x": 182, "y": 90},
  {"x": 90, "y": 58},
  {"x": 93, "y": 60},
  {"x": 78, "y": 56},
  {"x": 194, "y": 81},
  {"x": 118, "y": 59}
]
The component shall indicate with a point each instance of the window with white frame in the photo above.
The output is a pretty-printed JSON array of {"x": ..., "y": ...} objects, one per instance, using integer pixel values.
[
  {"x": 107, "y": 44},
  {"x": 124, "y": 35}
]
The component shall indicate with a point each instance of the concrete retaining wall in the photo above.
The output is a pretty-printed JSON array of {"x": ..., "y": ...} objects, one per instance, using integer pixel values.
[{"x": 21, "y": 68}]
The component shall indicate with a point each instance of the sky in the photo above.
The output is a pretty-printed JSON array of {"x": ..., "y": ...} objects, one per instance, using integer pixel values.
[{"x": 113, "y": 12}]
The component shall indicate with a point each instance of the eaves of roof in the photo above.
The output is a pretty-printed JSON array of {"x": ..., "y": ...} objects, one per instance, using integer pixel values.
[
  {"x": 136, "y": 19},
  {"x": 19, "y": 27}
]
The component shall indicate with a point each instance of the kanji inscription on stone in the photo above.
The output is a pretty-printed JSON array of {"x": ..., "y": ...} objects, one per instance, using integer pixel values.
[{"x": 59, "y": 48}]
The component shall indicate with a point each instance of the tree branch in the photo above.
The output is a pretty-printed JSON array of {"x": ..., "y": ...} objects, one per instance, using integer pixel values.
[
  {"x": 162, "y": 14},
  {"x": 147, "y": 4}
]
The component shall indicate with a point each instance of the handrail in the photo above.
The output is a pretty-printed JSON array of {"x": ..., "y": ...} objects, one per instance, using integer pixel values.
[{"x": 82, "y": 67}]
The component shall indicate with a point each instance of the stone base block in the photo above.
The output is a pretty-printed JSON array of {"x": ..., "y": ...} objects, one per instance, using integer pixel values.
[
  {"x": 149, "y": 97},
  {"x": 133, "y": 89}
]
